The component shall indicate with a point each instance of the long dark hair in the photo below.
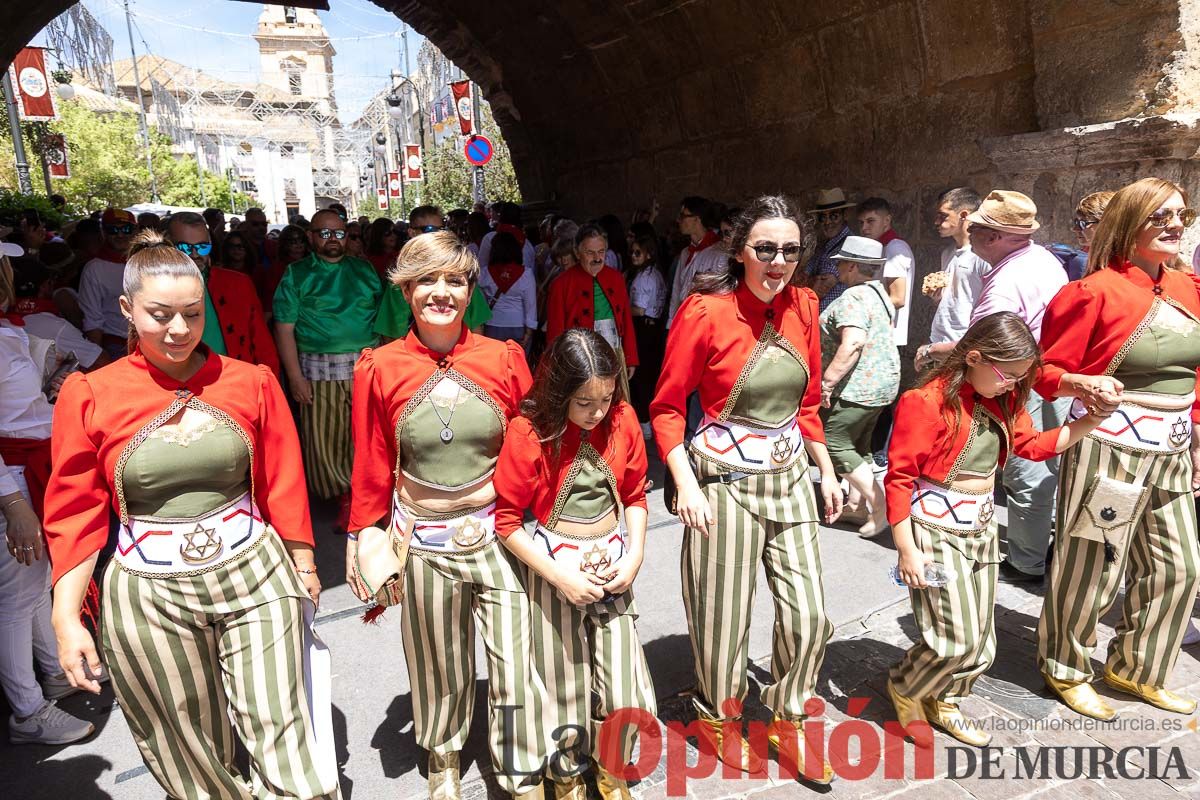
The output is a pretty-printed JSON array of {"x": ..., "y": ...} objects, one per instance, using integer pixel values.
[
  {"x": 574, "y": 358},
  {"x": 998, "y": 337},
  {"x": 767, "y": 206},
  {"x": 251, "y": 259},
  {"x": 375, "y": 234},
  {"x": 649, "y": 244}
]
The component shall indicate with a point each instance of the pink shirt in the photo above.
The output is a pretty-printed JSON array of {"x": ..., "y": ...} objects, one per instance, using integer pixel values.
[{"x": 1024, "y": 283}]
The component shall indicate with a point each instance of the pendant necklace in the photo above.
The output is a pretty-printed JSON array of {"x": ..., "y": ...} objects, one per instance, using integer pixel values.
[{"x": 447, "y": 434}]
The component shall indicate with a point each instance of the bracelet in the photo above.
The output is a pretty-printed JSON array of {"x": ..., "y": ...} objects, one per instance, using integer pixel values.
[
  {"x": 312, "y": 571},
  {"x": 14, "y": 501},
  {"x": 352, "y": 536}
]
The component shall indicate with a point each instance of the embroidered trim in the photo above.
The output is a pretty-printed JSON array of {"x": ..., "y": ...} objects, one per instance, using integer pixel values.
[
  {"x": 976, "y": 413},
  {"x": 1142, "y": 327},
  {"x": 578, "y": 538},
  {"x": 768, "y": 337},
  {"x": 586, "y": 451},
  {"x": 262, "y": 537}
]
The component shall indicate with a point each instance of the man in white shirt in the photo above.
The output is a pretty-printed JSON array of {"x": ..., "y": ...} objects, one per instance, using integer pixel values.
[
  {"x": 961, "y": 279},
  {"x": 703, "y": 254},
  {"x": 875, "y": 222},
  {"x": 508, "y": 218},
  {"x": 100, "y": 284}
]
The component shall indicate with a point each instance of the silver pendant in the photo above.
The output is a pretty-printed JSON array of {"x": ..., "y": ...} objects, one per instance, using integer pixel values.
[{"x": 447, "y": 435}]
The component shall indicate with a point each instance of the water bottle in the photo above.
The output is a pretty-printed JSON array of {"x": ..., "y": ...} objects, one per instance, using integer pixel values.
[{"x": 936, "y": 575}]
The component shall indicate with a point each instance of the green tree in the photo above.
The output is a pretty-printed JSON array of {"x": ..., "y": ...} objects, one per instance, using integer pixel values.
[{"x": 448, "y": 176}]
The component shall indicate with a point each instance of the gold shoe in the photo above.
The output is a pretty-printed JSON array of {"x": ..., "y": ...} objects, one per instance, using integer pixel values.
[
  {"x": 1155, "y": 696},
  {"x": 610, "y": 786},
  {"x": 784, "y": 757},
  {"x": 1081, "y": 698},
  {"x": 749, "y": 761},
  {"x": 572, "y": 788},
  {"x": 444, "y": 776},
  {"x": 949, "y": 718},
  {"x": 911, "y": 716}
]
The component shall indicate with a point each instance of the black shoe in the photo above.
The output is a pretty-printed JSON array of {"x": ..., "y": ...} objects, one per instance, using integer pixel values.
[{"x": 1010, "y": 574}]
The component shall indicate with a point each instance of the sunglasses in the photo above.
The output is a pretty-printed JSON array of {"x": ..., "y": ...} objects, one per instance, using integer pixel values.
[
  {"x": 1162, "y": 217},
  {"x": 1083, "y": 224},
  {"x": 427, "y": 228},
  {"x": 118, "y": 230},
  {"x": 326, "y": 233},
  {"x": 201, "y": 249},
  {"x": 766, "y": 252},
  {"x": 823, "y": 216}
]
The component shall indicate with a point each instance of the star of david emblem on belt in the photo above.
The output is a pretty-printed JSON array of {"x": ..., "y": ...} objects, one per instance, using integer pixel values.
[
  {"x": 986, "y": 511},
  {"x": 469, "y": 533},
  {"x": 595, "y": 561},
  {"x": 201, "y": 545},
  {"x": 781, "y": 450},
  {"x": 1179, "y": 431}
]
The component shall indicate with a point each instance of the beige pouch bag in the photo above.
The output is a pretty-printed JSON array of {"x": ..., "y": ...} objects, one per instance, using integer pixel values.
[
  {"x": 1108, "y": 511},
  {"x": 380, "y": 561}
]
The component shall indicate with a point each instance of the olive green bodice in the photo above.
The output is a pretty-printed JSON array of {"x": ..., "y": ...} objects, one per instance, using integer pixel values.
[
  {"x": 1163, "y": 359},
  {"x": 184, "y": 475},
  {"x": 773, "y": 386},
  {"x": 590, "y": 495},
  {"x": 471, "y": 453},
  {"x": 983, "y": 451}
]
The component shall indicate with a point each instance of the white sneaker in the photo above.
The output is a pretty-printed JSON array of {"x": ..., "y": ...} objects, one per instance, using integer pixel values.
[
  {"x": 50, "y": 725},
  {"x": 1191, "y": 635}
]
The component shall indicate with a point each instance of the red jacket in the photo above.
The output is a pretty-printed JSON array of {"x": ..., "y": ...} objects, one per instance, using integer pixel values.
[
  {"x": 921, "y": 444},
  {"x": 570, "y": 305},
  {"x": 710, "y": 342},
  {"x": 241, "y": 316},
  {"x": 387, "y": 377},
  {"x": 1091, "y": 319},
  {"x": 529, "y": 476},
  {"x": 98, "y": 414}
]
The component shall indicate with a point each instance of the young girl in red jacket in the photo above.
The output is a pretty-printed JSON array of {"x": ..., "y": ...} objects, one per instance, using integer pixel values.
[
  {"x": 577, "y": 459},
  {"x": 951, "y": 438}
]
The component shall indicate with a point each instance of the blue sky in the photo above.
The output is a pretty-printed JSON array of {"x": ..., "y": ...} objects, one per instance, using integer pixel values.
[{"x": 215, "y": 36}]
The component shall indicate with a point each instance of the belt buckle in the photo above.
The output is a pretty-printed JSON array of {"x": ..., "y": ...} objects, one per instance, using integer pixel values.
[
  {"x": 201, "y": 545},
  {"x": 595, "y": 560},
  {"x": 782, "y": 449},
  {"x": 1180, "y": 431},
  {"x": 469, "y": 533}
]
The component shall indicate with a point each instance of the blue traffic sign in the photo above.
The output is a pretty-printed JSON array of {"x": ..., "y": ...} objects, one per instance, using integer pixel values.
[{"x": 478, "y": 150}]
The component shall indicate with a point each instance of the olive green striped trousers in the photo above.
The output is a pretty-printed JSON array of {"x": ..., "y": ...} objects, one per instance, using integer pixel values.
[
  {"x": 188, "y": 653},
  {"x": 956, "y": 622},
  {"x": 1158, "y": 563},
  {"x": 325, "y": 438}
]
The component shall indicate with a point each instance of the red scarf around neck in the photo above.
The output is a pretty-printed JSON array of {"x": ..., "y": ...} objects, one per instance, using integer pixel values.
[
  {"x": 513, "y": 230},
  {"x": 710, "y": 238},
  {"x": 505, "y": 275}
]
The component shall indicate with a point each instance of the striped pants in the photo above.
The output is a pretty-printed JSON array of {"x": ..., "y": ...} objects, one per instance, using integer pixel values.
[
  {"x": 188, "y": 653},
  {"x": 956, "y": 622},
  {"x": 443, "y": 596},
  {"x": 581, "y": 651},
  {"x": 325, "y": 438},
  {"x": 719, "y": 574},
  {"x": 1158, "y": 561}
]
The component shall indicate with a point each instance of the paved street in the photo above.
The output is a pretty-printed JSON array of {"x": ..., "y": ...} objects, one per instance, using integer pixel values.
[{"x": 373, "y": 714}]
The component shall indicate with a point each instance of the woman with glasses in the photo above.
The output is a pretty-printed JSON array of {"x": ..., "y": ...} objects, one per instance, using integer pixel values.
[
  {"x": 1125, "y": 341},
  {"x": 354, "y": 239},
  {"x": 648, "y": 302},
  {"x": 1087, "y": 217},
  {"x": 749, "y": 343},
  {"x": 237, "y": 253},
  {"x": 382, "y": 244}
]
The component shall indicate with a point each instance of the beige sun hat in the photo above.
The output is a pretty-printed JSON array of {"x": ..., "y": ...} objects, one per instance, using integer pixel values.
[
  {"x": 830, "y": 200},
  {"x": 1011, "y": 212}
]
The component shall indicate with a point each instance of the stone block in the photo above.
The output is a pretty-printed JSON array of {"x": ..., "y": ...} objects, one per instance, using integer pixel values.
[
  {"x": 783, "y": 83},
  {"x": 737, "y": 30},
  {"x": 874, "y": 56},
  {"x": 987, "y": 38}
]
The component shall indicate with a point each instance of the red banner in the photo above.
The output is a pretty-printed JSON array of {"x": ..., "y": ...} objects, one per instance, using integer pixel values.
[
  {"x": 394, "y": 184},
  {"x": 413, "y": 169},
  {"x": 383, "y": 199},
  {"x": 35, "y": 95},
  {"x": 462, "y": 106},
  {"x": 55, "y": 148}
]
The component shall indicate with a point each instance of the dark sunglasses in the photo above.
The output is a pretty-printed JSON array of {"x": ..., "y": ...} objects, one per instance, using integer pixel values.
[
  {"x": 766, "y": 252},
  {"x": 354, "y": 237},
  {"x": 118, "y": 230},
  {"x": 427, "y": 228},
  {"x": 201, "y": 249},
  {"x": 1162, "y": 217},
  {"x": 325, "y": 233},
  {"x": 1083, "y": 224},
  {"x": 822, "y": 216}
]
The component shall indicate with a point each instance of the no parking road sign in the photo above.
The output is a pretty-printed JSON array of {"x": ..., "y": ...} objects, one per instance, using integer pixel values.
[{"x": 478, "y": 150}]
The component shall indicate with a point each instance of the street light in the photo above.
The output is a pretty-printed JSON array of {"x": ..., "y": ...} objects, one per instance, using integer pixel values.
[{"x": 395, "y": 103}]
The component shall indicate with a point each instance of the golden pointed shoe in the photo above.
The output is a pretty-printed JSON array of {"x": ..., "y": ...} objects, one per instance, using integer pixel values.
[
  {"x": 444, "y": 776},
  {"x": 911, "y": 716},
  {"x": 747, "y": 760},
  {"x": 784, "y": 755},
  {"x": 1161, "y": 698},
  {"x": 573, "y": 788},
  {"x": 949, "y": 718},
  {"x": 1081, "y": 698},
  {"x": 610, "y": 786}
]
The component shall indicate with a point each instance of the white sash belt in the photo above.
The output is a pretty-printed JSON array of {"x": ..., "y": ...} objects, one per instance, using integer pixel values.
[
  {"x": 1151, "y": 427},
  {"x": 950, "y": 509},
  {"x": 463, "y": 532},
  {"x": 749, "y": 448},
  {"x": 147, "y": 545},
  {"x": 588, "y": 554}
]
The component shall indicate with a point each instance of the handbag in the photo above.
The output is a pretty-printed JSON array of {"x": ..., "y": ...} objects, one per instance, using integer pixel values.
[{"x": 379, "y": 563}]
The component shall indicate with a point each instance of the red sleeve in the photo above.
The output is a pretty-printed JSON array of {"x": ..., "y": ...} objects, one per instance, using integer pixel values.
[
  {"x": 686, "y": 355},
  {"x": 372, "y": 480},
  {"x": 265, "y": 353},
  {"x": 808, "y": 416},
  {"x": 519, "y": 379},
  {"x": 1067, "y": 328},
  {"x": 279, "y": 485},
  {"x": 918, "y": 424},
  {"x": 628, "y": 334},
  {"x": 78, "y": 497},
  {"x": 633, "y": 482},
  {"x": 516, "y": 477},
  {"x": 556, "y": 309},
  {"x": 1028, "y": 442}
]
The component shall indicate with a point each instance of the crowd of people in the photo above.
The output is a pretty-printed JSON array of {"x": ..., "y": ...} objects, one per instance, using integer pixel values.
[{"x": 172, "y": 391}]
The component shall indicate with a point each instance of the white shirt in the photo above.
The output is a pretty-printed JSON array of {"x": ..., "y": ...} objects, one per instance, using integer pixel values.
[
  {"x": 713, "y": 258},
  {"x": 66, "y": 337},
  {"x": 25, "y": 413},
  {"x": 964, "y": 283},
  {"x": 611, "y": 259},
  {"x": 485, "y": 252},
  {"x": 900, "y": 264},
  {"x": 1024, "y": 282},
  {"x": 516, "y": 308},
  {"x": 649, "y": 292},
  {"x": 100, "y": 287}
]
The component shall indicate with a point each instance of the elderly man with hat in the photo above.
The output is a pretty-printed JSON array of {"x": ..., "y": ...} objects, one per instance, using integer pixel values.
[
  {"x": 860, "y": 373},
  {"x": 100, "y": 284},
  {"x": 1023, "y": 279},
  {"x": 829, "y": 214}
]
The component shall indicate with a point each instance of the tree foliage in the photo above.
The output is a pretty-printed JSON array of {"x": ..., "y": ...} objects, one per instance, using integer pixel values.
[{"x": 448, "y": 175}]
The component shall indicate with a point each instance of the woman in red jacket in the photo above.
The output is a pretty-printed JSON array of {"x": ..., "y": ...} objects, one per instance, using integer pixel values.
[
  {"x": 1129, "y": 333},
  {"x": 430, "y": 414},
  {"x": 209, "y": 598},
  {"x": 577, "y": 458},
  {"x": 750, "y": 343},
  {"x": 952, "y": 436}
]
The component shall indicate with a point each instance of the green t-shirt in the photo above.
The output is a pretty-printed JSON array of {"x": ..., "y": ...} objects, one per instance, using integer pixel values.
[
  {"x": 333, "y": 306},
  {"x": 601, "y": 309},
  {"x": 212, "y": 335},
  {"x": 395, "y": 317}
]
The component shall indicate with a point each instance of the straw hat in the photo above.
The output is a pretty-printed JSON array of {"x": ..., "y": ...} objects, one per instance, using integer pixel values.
[
  {"x": 1011, "y": 212},
  {"x": 830, "y": 200}
]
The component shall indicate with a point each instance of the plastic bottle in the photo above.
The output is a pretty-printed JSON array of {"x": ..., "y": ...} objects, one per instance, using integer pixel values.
[{"x": 936, "y": 575}]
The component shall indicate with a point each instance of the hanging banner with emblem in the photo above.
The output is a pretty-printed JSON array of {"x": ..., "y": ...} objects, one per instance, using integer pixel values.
[
  {"x": 462, "y": 106},
  {"x": 54, "y": 146},
  {"x": 413, "y": 170},
  {"x": 35, "y": 99},
  {"x": 394, "y": 184},
  {"x": 383, "y": 199}
]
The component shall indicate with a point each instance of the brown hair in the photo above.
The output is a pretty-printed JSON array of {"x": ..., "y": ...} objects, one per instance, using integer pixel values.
[
  {"x": 998, "y": 337},
  {"x": 1091, "y": 207},
  {"x": 8, "y": 293},
  {"x": 152, "y": 256},
  {"x": 765, "y": 207},
  {"x": 430, "y": 253},
  {"x": 1116, "y": 235}
]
